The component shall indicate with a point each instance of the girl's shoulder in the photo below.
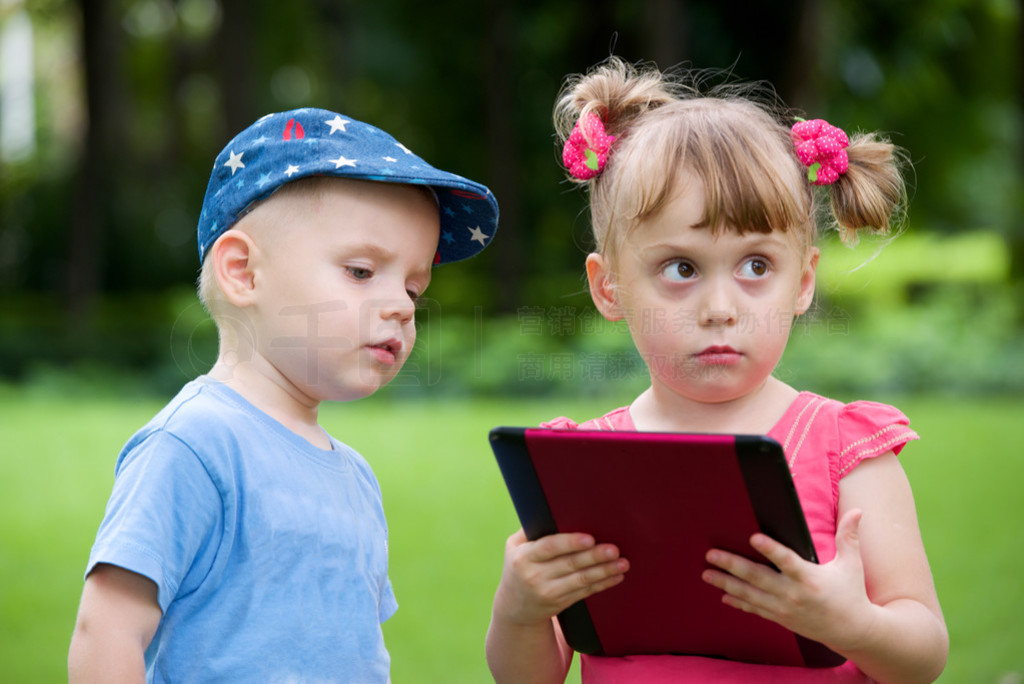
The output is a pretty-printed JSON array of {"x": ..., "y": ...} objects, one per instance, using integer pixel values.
[
  {"x": 848, "y": 432},
  {"x": 619, "y": 419}
]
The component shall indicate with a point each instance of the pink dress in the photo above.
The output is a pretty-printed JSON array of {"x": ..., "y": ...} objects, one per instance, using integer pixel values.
[{"x": 823, "y": 440}]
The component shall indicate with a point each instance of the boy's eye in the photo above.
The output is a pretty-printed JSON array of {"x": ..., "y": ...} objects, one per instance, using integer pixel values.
[
  {"x": 754, "y": 268},
  {"x": 679, "y": 271},
  {"x": 360, "y": 273}
]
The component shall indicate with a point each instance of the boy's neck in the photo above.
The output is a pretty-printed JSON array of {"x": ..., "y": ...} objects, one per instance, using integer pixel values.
[{"x": 272, "y": 395}]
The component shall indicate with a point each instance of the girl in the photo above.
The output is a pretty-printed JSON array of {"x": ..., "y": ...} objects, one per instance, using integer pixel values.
[{"x": 704, "y": 215}]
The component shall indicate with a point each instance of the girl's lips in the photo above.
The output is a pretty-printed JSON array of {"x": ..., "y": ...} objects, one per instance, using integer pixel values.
[{"x": 719, "y": 356}]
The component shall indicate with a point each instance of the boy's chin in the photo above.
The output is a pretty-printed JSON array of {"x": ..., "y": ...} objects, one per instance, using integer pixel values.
[{"x": 350, "y": 392}]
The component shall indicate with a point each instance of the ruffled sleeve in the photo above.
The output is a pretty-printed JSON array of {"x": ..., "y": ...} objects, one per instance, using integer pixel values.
[
  {"x": 561, "y": 422},
  {"x": 619, "y": 419},
  {"x": 867, "y": 429}
]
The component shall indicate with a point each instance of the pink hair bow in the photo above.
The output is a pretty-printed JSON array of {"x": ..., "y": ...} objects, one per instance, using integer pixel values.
[
  {"x": 821, "y": 147},
  {"x": 586, "y": 159}
]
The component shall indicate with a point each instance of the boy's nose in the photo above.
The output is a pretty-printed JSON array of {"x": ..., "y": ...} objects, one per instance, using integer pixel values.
[{"x": 400, "y": 307}]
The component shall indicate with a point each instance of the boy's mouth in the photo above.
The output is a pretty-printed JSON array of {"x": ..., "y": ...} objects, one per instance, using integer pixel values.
[{"x": 387, "y": 351}]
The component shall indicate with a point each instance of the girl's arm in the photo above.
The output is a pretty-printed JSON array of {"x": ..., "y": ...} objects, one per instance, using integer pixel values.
[
  {"x": 906, "y": 639},
  {"x": 117, "y": 619},
  {"x": 875, "y": 602},
  {"x": 538, "y": 581}
]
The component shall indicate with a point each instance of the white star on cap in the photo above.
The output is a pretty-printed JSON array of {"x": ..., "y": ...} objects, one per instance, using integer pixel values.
[
  {"x": 292, "y": 168},
  {"x": 478, "y": 235},
  {"x": 390, "y": 159},
  {"x": 337, "y": 124},
  {"x": 235, "y": 162},
  {"x": 343, "y": 161},
  {"x": 404, "y": 148}
]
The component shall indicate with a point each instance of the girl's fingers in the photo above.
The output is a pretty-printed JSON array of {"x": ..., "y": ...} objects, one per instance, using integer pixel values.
[
  {"x": 593, "y": 588},
  {"x": 558, "y": 545},
  {"x": 565, "y": 554},
  {"x": 782, "y": 557},
  {"x": 738, "y": 566},
  {"x": 566, "y": 562},
  {"x": 543, "y": 577},
  {"x": 579, "y": 585}
]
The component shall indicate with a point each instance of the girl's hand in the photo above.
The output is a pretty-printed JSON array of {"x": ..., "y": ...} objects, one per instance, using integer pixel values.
[
  {"x": 826, "y": 603},
  {"x": 544, "y": 577}
]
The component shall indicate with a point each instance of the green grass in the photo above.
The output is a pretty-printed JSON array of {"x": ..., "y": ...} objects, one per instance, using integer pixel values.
[{"x": 449, "y": 516}]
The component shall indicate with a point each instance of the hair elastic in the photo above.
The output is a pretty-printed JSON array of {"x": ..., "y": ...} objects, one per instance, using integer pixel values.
[
  {"x": 587, "y": 159},
  {"x": 821, "y": 147}
]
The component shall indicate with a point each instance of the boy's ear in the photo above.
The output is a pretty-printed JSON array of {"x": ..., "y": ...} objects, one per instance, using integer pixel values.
[
  {"x": 805, "y": 296},
  {"x": 602, "y": 287},
  {"x": 233, "y": 267}
]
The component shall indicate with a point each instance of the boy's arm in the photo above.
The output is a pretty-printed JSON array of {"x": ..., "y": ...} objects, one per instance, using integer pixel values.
[{"x": 117, "y": 619}]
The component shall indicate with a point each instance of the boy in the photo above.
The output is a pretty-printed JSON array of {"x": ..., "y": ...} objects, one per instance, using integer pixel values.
[{"x": 241, "y": 542}]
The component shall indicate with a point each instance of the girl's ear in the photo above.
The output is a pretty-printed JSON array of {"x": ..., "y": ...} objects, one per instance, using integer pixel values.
[
  {"x": 233, "y": 267},
  {"x": 602, "y": 287},
  {"x": 805, "y": 296}
]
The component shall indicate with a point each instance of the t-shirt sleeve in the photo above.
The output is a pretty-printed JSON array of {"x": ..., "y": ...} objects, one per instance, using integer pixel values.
[
  {"x": 163, "y": 517},
  {"x": 388, "y": 602},
  {"x": 868, "y": 429}
]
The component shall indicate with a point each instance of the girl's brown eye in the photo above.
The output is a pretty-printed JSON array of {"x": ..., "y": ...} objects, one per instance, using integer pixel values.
[
  {"x": 679, "y": 270},
  {"x": 755, "y": 268}
]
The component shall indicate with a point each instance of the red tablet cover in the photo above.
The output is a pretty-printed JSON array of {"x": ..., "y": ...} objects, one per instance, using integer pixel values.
[{"x": 664, "y": 499}]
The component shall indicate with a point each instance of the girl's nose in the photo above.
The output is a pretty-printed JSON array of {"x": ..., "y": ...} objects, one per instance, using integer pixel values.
[{"x": 717, "y": 307}]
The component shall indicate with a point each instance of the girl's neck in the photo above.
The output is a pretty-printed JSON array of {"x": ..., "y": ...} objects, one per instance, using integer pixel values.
[{"x": 658, "y": 409}]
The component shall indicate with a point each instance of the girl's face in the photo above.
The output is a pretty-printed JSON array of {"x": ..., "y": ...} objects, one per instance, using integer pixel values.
[{"x": 710, "y": 314}]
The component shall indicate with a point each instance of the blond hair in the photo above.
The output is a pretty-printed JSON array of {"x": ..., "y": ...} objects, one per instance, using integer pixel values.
[
  {"x": 262, "y": 228},
  {"x": 735, "y": 138}
]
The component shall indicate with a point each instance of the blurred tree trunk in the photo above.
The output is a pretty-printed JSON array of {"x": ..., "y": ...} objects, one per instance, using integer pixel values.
[
  {"x": 93, "y": 186},
  {"x": 502, "y": 152},
  {"x": 797, "y": 80},
  {"x": 663, "y": 21},
  {"x": 1015, "y": 235},
  {"x": 234, "y": 58}
]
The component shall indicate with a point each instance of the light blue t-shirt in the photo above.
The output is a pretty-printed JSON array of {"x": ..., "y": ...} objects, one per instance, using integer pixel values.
[{"x": 270, "y": 555}]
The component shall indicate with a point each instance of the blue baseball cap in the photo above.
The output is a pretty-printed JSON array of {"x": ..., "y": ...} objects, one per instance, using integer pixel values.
[{"x": 287, "y": 146}]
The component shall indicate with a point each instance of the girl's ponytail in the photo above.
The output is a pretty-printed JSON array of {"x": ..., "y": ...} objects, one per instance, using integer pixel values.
[
  {"x": 617, "y": 92},
  {"x": 863, "y": 173},
  {"x": 871, "y": 195}
]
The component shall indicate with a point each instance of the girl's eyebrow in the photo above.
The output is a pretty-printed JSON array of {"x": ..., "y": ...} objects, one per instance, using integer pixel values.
[
  {"x": 773, "y": 239},
  {"x": 660, "y": 247},
  {"x": 750, "y": 241}
]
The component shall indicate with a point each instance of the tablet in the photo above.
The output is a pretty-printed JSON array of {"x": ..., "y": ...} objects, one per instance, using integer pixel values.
[{"x": 664, "y": 499}]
